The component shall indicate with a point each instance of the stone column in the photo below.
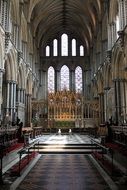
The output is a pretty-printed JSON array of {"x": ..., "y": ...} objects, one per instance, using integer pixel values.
[
  {"x": 28, "y": 110},
  {"x": 51, "y": 49},
  {"x": 12, "y": 97},
  {"x": 72, "y": 80},
  {"x": 121, "y": 14},
  {"x": 125, "y": 11},
  {"x": 59, "y": 46},
  {"x": 18, "y": 95},
  {"x": 23, "y": 96},
  {"x": 57, "y": 80},
  {"x": 101, "y": 103},
  {"x": 69, "y": 46},
  {"x": 83, "y": 82},
  {"x": 14, "y": 100},
  {"x": 8, "y": 97},
  {"x": 77, "y": 48},
  {"x": 6, "y": 12},
  {"x": 120, "y": 100},
  {"x": 106, "y": 89},
  {"x": 44, "y": 85},
  {"x": 1, "y": 82}
]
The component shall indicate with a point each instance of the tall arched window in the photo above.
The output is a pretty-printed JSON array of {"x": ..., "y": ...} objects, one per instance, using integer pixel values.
[
  {"x": 117, "y": 25},
  {"x": 55, "y": 47},
  {"x": 78, "y": 79},
  {"x": 64, "y": 45},
  {"x": 81, "y": 50},
  {"x": 64, "y": 78},
  {"x": 47, "y": 51},
  {"x": 51, "y": 79},
  {"x": 73, "y": 47}
]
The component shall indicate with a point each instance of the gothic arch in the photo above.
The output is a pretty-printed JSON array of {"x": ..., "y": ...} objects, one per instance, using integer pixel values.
[
  {"x": 113, "y": 10},
  {"x": 118, "y": 63},
  {"x": 107, "y": 76},
  {"x": 10, "y": 66}
]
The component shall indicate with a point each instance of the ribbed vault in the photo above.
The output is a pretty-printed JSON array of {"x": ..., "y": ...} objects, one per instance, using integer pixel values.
[{"x": 50, "y": 17}]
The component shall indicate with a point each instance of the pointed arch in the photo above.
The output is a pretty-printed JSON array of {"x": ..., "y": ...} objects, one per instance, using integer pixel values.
[
  {"x": 78, "y": 79},
  {"x": 64, "y": 75},
  {"x": 118, "y": 63},
  {"x": 64, "y": 45},
  {"x": 51, "y": 79},
  {"x": 11, "y": 65}
]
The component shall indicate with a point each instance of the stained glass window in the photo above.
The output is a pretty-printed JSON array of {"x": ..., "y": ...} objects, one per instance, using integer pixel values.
[
  {"x": 64, "y": 45},
  {"x": 64, "y": 78},
  {"x": 73, "y": 47},
  {"x": 51, "y": 79},
  {"x": 78, "y": 79},
  {"x": 47, "y": 51},
  {"x": 55, "y": 48},
  {"x": 81, "y": 50}
]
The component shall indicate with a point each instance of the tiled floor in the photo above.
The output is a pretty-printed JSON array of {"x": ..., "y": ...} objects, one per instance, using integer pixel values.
[
  {"x": 64, "y": 139},
  {"x": 64, "y": 172}
]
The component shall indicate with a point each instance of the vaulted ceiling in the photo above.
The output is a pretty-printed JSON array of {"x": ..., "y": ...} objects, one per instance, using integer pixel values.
[{"x": 50, "y": 17}]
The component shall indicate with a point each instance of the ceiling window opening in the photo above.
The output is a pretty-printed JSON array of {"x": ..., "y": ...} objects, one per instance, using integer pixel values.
[
  {"x": 55, "y": 47},
  {"x": 81, "y": 50},
  {"x": 64, "y": 78},
  {"x": 73, "y": 47},
  {"x": 51, "y": 79},
  {"x": 64, "y": 45},
  {"x": 47, "y": 51}
]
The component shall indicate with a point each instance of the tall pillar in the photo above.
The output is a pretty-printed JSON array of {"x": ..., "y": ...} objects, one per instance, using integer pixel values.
[
  {"x": 125, "y": 11},
  {"x": 121, "y": 14},
  {"x": 69, "y": 46},
  {"x": 59, "y": 46},
  {"x": 101, "y": 103},
  {"x": 120, "y": 100},
  {"x": 77, "y": 48},
  {"x": 14, "y": 101},
  {"x": 57, "y": 80},
  {"x": 1, "y": 82},
  {"x": 28, "y": 110},
  {"x": 72, "y": 80},
  {"x": 44, "y": 85},
  {"x": 83, "y": 82},
  {"x": 6, "y": 11},
  {"x": 106, "y": 89},
  {"x": 23, "y": 96},
  {"x": 8, "y": 97},
  {"x": 11, "y": 102},
  {"x": 51, "y": 49}
]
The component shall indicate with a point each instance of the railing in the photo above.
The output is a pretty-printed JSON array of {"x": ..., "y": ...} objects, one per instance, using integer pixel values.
[
  {"x": 25, "y": 150},
  {"x": 104, "y": 151}
]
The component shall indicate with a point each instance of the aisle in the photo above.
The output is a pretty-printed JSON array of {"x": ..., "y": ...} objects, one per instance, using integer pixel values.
[{"x": 64, "y": 172}]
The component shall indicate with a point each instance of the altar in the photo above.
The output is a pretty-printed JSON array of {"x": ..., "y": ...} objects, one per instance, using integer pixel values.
[{"x": 65, "y": 109}]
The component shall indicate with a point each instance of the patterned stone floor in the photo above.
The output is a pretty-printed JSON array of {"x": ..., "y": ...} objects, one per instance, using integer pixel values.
[
  {"x": 64, "y": 172},
  {"x": 64, "y": 139}
]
